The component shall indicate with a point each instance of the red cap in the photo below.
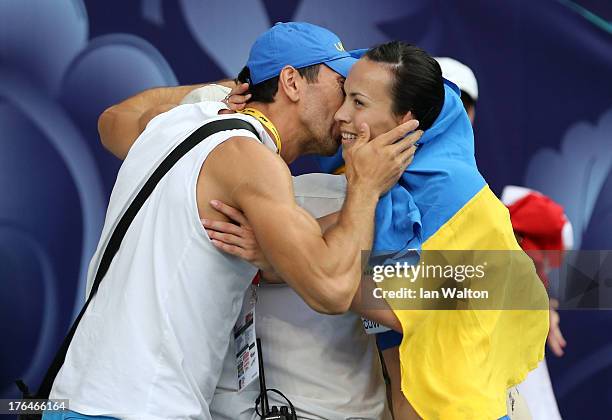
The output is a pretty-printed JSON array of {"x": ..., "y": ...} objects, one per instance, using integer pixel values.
[{"x": 539, "y": 223}]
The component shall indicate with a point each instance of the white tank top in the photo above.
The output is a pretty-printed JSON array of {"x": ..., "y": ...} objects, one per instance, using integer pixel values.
[
  {"x": 152, "y": 343},
  {"x": 326, "y": 365}
]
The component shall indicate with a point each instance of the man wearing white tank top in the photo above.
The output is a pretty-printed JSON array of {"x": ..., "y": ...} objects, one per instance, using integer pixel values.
[{"x": 152, "y": 343}]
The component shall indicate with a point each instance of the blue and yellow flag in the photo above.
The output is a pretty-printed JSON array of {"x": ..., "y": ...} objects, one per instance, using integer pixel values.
[{"x": 458, "y": 364}]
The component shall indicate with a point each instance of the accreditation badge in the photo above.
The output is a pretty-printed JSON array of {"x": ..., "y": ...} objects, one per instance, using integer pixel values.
[{"x": 245, "y": 346}]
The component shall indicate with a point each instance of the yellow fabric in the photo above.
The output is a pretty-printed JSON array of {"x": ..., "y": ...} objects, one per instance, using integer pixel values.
[{"x": 458, "y": 364}]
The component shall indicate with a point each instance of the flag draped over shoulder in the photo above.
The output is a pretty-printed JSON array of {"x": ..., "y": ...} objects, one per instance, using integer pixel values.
[{"x": 459, "y": 363}]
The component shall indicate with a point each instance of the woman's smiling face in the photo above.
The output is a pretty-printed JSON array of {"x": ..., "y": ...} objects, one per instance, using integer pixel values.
[{"x": 368, "y": 100}]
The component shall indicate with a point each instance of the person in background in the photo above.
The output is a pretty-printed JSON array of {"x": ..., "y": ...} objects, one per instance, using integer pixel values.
[{"x": 464, "y": 78}]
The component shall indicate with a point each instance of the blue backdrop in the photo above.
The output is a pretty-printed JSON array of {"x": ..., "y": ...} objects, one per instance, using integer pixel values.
[{"x": 544, "y": 120}]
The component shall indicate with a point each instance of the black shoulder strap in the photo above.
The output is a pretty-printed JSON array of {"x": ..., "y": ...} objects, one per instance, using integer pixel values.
[{"x": 118, "y": 234}]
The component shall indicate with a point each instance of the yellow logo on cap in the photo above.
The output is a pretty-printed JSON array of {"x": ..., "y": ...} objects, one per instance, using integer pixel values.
[{"x": 339, "y": 46}]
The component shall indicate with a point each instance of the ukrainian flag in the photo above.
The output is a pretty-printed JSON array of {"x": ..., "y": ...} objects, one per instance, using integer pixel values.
[{"x": 458, "y": 364}]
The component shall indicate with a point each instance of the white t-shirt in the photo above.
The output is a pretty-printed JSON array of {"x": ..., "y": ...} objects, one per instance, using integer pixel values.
[
  {"x": 326, "y": 365},
  {"x": 152, "y": 343}
]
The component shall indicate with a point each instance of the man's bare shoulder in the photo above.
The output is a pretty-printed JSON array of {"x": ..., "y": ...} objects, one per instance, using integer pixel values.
[
  {"x": 244, "y": 161},
  {"x": 250, "y": 152},
  {"x": 240, "y": 144}
]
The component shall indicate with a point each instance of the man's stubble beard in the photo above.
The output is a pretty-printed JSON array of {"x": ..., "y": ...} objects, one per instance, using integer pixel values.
[
  {"x": 320, "y": 146},
  {"x": 320, "y": 130},
  {"x": 330, "y": 148}
]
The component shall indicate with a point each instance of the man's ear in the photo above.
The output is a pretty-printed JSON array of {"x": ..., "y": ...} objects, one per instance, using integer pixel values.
[{"x": 289, "y": 81}]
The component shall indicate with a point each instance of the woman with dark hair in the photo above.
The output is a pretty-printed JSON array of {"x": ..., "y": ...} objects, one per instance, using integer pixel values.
[
  {"x": 454, "y": 364},
  {"x": 392, "y": 83}
]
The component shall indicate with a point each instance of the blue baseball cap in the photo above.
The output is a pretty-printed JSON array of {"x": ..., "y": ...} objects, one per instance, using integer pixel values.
[{"x": 297, "y": 44}]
